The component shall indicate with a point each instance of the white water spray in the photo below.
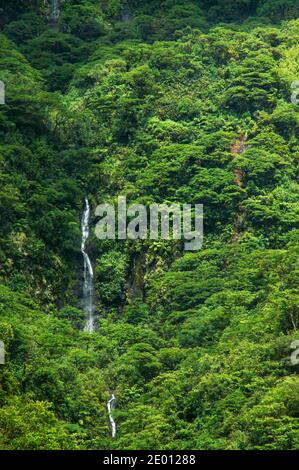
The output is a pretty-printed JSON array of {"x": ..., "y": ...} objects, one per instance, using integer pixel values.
[
  {"x": 88, "y": 306},
  {"x": 55, "y": 11},
  {"x": 110, "y": 406}
]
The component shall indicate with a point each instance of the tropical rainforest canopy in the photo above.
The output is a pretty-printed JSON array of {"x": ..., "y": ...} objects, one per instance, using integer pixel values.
[{"x": 160, "y": 101}]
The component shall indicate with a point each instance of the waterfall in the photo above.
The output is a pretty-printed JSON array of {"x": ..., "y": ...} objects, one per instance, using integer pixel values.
[
  {"x": 88, "y": 306},
  {"x": 110, "y": 406},
  {"x": 55, "y": 12}
]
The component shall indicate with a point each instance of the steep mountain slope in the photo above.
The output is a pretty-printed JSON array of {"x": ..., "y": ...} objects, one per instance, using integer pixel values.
[{"x": 171, "y": 101}]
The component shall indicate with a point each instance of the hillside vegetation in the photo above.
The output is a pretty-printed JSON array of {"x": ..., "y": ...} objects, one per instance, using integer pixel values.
[{"x": 160, "y": 101}]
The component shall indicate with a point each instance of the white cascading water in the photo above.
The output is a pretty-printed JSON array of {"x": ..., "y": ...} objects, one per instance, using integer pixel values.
[
  {"x": 88, "y": 306},
  {"x": 55, "y": 11},
  {"x": 110, "y": 406}
]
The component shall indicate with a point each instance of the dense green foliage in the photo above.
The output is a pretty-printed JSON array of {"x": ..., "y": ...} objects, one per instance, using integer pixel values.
[{"x": 150, "y": 100}]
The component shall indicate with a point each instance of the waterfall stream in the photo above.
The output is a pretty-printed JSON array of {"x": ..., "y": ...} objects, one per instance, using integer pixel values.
[
  {"x": 110, "y": 406},
  {"x": 88, "y": 298},
  {"x": 88, "y": 306},
  {"x": 55, "y": 11}
]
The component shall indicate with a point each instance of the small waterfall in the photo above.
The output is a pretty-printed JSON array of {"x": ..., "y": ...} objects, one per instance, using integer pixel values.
[
  {"x": 88, "y": 306},
  {"x": 110, "y": 406},
  {"x": 55, "y": 13}
]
